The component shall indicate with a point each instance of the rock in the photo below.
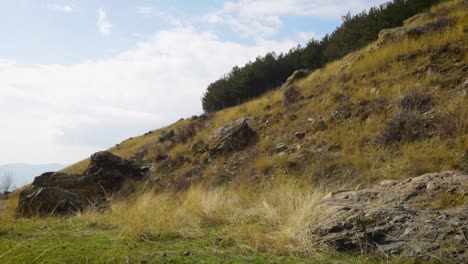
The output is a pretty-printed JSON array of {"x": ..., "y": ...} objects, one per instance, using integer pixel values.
[
  {"x": 110, "y": 171},
  {"x": 399, "y": 33},
  {"x": 63, "y": 194},
  {"x": 280, "y": 147},
  {"x": 416, "y": 218},
  {"x": 46, "y": 201},
  {"x": 343, "y": 111},
  {"x": 297, "y": 75},
  {"x": 75, "y": 183},
  {"x": 232, "y": 137},
  {"x": 166, "y": 135},
  {"x": 291, "y": 95},
  {"x": 300, "y": 135},
  {"x": 198, "y": 147}
]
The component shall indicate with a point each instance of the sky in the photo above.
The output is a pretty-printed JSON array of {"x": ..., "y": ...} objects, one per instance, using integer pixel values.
[{"x": 77, "y": 77}]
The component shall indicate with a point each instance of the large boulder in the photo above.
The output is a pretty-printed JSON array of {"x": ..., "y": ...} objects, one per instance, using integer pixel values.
[
  {"x": 423, "y": 217},
  {"x": 47, "y": 201},
  {"x": 110, "y": 171},
  {"x": 234, "y": 136},
  {"x": 56, "y": 193}
]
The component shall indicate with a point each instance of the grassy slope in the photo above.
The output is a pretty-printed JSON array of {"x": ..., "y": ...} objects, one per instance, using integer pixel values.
[
  {"x": 381, "y": 75},
  {"x": 271, "y": 223}
]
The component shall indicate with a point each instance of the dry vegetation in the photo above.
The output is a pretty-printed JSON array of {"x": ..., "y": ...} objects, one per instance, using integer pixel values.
[
  {"x": 276, "y": 217},
  {"x": 385, "y": 112}
]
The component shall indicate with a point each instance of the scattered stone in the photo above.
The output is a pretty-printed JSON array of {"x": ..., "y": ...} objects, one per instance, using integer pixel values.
[
  {"x": 280, "y": 147},
  {"x": 234, "y": 136},
  {"x": 416, "y": 218},
  {"x": 300, "y": 135}
]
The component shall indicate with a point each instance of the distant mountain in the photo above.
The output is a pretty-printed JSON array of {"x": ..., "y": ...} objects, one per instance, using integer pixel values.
[{"x": 24, "y": 173}]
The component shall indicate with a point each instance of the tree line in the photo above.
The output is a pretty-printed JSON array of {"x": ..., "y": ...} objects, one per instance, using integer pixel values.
[{"x": 269, "y": 71}]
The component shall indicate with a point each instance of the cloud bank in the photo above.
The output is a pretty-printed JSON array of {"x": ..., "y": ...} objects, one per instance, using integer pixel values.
[{"x": 63, "y": 113}]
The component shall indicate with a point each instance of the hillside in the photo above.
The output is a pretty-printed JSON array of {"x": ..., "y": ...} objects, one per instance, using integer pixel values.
[
  {"x": 246, "y": 184},
  {"x": 355, "y": 114}
]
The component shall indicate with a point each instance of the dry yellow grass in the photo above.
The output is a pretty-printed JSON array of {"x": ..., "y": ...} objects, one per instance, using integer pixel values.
[{"x": 278, "y": 216}]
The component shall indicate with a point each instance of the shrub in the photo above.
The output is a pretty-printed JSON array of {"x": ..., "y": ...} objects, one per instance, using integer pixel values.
[{"x": 416, "y": 100}]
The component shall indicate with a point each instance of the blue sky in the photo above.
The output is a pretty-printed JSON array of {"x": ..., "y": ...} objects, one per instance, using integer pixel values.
[{"x": 79, "y": 76}]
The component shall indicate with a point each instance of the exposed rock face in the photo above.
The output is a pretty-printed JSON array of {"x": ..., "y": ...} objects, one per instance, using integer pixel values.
[
  {"x": 61, "y": 194},
  {"x": 297, "y": 75},
  {"x": 234, "y": 136},
  {"x": 399, "y": 33},
  {"x": 420, "y": 218}
]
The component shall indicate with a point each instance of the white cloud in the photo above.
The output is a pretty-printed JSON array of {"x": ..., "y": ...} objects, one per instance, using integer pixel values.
[
  {"x": 61, "y": 8},
  {"x": 103, "y": 23},
  {"x": 58, "y": 113},
  {"x": 307, "y": 36},
  {"x": 145, "y": 10},
  {"x": 262, "y": 18}
]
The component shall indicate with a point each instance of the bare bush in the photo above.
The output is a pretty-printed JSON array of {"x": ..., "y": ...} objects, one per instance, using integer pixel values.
[{"x": 6, "y": 183}]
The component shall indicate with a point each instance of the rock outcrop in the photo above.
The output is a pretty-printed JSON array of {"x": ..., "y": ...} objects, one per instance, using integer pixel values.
[
  {"x": 56, "y": 193},
  {"x": 232, "y": 137},
  {"x": 110, "y": 171},
  {"x": 297, "y": 75},
  {"x": 399, "y": 33},
  {"x": 422, "y": 218}
]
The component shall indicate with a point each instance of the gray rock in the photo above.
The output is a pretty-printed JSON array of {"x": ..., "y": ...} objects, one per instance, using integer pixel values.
[
  {"x": 110, "y": 171},
  {"x": 47, "y": 201},
  {"x": 297, "y": 75},
  {"x": 63, "y": 194},
  {"x": 234, "y": 136},
  {"x": 281, "y": 147},
  {"x": 399, "y": 33},
  {"x": 420, "y": 218},
  {"x": 300, "y": 135}
]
